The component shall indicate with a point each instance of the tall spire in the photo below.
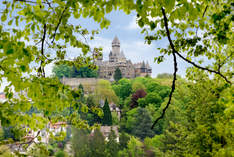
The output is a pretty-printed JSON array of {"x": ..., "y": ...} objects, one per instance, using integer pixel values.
[
  {"x": 116, "y": 41},
  {"x": 116, "y": 47},
  {"x": 143, "y": 64},
  {"x": 122, "y": 54},
  {"x": 147, "y": 64}
]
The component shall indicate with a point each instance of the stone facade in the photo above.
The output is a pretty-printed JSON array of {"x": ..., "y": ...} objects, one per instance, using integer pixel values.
[
  {"x": 89, "y": 84},
  {"x": 116, "y": 60}
]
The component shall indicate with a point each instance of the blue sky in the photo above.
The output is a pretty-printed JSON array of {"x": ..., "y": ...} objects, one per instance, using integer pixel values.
[{"x": 131, "y": 40}]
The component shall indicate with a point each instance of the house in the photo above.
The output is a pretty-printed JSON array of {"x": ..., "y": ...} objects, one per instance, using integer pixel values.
[{"x": 106, "y": 130}]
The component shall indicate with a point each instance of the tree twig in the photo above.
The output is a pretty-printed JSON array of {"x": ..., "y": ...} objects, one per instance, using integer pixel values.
[
  {"x": 202, "y": 17},
  {"x": 221, "y": 64}
]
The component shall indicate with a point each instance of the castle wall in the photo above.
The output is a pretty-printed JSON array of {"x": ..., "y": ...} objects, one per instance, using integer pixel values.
[{"x": 89, "y": 84}]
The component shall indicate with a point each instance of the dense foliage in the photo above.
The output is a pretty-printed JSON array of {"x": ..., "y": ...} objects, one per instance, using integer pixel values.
[
  {"x": 118, "y": 74},
  {"x": 194, "y": 116},
  {"x": 62, "y": 70}
]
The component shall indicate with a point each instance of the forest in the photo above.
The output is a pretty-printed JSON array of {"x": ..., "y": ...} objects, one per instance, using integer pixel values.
[{"x": 163, "y": 116}]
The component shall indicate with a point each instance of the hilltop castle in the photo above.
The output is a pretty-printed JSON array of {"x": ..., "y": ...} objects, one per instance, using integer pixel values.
[{"x": 118, "y": 60}]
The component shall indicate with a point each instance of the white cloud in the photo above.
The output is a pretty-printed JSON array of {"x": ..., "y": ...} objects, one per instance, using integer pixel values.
[
  {"x": 105, "y": 43},
  {"x": 133, "y": 24},
  {"x": 48, "y": 69}
]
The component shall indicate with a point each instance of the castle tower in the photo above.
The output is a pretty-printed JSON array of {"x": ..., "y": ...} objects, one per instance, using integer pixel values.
[
  {"x": 115, "y": 53},
  {"x": 116, "y": 46}
]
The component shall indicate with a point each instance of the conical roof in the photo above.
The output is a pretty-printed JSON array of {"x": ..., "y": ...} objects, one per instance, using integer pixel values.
[
  {"x": 116, "y": 40},
  {"x": 122, "y": 54},
  {"x": 143, "y": 65},
  {"x": 147, "y": 65}
]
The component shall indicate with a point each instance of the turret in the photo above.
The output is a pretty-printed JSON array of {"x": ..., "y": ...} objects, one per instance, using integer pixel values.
[
  {"x": 116, "y": 46},
  {"x": 143, "y": 67},
  {"x": 149, "y": 69},
  {"x": 116, "y": 42}
]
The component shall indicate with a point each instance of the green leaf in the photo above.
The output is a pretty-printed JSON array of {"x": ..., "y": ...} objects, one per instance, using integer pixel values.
[
  {"x": 141, "y": 23},
  {"x": 23, "y": 68},
  {"x": 10, "y": 51},
  {"x": 169, "y": 5},
  {"x": 4, "y": 17},
  {"x": 10, "y": 22},
  {"x": 25, "y": 51},
  {"x": 152, "y": 25}
]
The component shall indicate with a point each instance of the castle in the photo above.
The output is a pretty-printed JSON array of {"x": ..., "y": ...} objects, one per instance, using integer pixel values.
[{"x": 118, "y": 60}]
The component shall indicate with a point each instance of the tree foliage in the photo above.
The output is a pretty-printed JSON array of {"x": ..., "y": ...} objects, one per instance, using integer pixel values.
[
  {"x": 67, "y": 71},
  {"x": 123, "y": 88},
  {"x": 107, "y": 118},
  {"x": 112, "y": 144},
  {"x": 88, "y": 144},
  {"x": 34, "y": 34},
  {"x": 199, "y": 125},
  {"x": 135, "y": 96},
  {"x": 61, "y": 71},
  {"x": 118, "y": 74},
  {"x": 104, "y": 91},
  {"x": 142, "y": 125}
]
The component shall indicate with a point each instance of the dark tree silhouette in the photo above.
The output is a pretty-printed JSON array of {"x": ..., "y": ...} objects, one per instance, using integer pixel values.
[
  {"x": 107, "y": 118},
  {"x": 118, "y": 74}
]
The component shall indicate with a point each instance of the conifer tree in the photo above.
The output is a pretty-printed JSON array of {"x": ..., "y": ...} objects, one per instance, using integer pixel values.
[
  {"x": 81, "y": 88},
  {"x": 123, "y": 140},
  {"x": 143, "y": 124},
  {"x": 97, "y": 144},
  {"x": 118, "y": 74},
  {"x": 112, "y": 144},
  {"x": 107, "y": 118}
]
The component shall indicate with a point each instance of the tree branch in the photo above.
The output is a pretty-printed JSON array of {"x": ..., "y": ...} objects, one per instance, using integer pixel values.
[
  {"x": 28, "y": 1},
  {"x": 185, "y": 59},
  {"x": 221, "y": 64},
  {"x": 174, "y": 52},
  {"x": 41, "y": 68},
  {"x": 175, "y": 70},
  {"x": 33, "y": 2},
  {"x": 203, "y": 68},
  {"x": 57, "y": 26},
  {"x": 32, "y": 140},
  {"x": 204, "y": 11}
]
